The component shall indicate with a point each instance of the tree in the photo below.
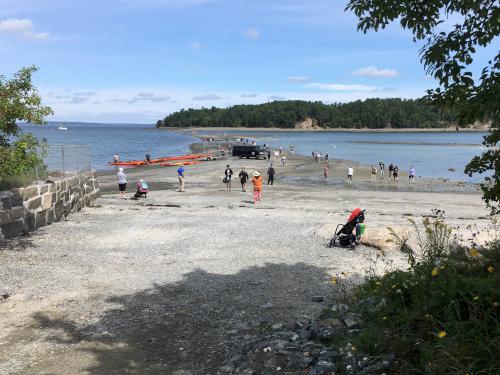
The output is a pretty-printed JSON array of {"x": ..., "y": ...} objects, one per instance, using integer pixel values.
[
  {"x": 19, "y": 101},
  {"x": 447, "y": 56}
]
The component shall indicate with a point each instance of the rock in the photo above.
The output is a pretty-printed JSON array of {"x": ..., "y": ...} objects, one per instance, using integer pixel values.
[
  {"x": 5, "y": 200},
  {"x": 277, "y": 326},
  {"x": 35, "y": 203},
  {"x": 318, "y": 299},
  {"x": 324, "y": 367},
  {"x": 353, "y": 321},
  {"x": 14, "y": 228},
  {"x": 30, "y": 192},
  {"x": 4, "y": 294}
]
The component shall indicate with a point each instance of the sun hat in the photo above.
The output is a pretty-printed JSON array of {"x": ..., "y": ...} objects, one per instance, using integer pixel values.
[{"x": 256, "y": 173}]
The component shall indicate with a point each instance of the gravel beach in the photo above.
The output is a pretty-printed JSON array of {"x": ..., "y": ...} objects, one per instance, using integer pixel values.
[{"x": 176, "y": 282}]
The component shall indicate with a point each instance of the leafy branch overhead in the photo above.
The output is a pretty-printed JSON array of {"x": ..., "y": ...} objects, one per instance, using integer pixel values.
[
  {"x": 448, "y": 56},
  {"x": 19, "y": 101}
]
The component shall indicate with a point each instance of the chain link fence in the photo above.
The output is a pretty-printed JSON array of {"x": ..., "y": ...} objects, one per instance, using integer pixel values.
[{"x": 67, "y": 159}]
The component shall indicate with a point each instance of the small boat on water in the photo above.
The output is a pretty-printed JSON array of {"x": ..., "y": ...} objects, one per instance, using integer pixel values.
[{"x": 62, "y": 128}]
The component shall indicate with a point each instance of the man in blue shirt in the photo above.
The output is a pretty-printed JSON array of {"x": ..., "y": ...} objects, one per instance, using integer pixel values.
[{"x": 180, "y": 174}]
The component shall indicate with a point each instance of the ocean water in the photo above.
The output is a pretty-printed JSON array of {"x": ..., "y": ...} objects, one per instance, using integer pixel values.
[
  {"x": 440, "y": 154},
  {"x": 432, "y": 154},
  {"x": 130, "y": 141}
]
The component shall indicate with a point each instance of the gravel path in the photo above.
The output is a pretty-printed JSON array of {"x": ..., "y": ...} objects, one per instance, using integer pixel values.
[{"x": 170, "y": 284}]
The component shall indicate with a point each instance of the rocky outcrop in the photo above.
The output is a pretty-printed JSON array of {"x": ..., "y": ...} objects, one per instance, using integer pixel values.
[
  {"x": 26, "y": 209},
  {"x": 307, "y": 124}
]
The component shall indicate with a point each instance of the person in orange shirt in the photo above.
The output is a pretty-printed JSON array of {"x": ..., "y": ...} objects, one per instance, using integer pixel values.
[{"x": 257, "y": 187}]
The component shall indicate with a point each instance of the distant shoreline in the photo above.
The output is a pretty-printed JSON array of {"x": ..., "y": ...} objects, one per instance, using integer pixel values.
[{"x": 335, "y": 130}]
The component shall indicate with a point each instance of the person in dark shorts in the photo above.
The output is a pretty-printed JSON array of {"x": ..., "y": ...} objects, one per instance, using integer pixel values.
[
  {"x": 122, "y": 182},
  {"x": 243, "y": 175},
  {"x": 395, "y": 172},
  {"x": 271, "y": 172},
  {"x": 391, "y": 169},
  {"x": 228, "y": 174},
  {"x": 148, "y": 158}
]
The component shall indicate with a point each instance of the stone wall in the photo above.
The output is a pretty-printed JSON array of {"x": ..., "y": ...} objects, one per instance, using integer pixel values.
[{"x": 23, "y": 210}]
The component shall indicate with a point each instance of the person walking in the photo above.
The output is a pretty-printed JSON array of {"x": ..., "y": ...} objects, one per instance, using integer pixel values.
[
  {"x": 382, "y": 169},
  {"x": 180, "y": 175},
  {"x": 395, "y": 172},
  {"x": 148, "y": 158},
  {"x": 268, "y": 154},
  {"x": 243, "y": 175},
  {"x": 270, "y": 175},
  {"x": 257, "y": 187},
  {"x": 116, "y": 158},
  {"x": 228, "y": 174},
  {"x": 411, "y": 175},
  {"x": 391, "y": 169},
  {"x": 283, "y": 160},
  {"x": 326, "y": 156},
  {"x": 276, "y": 154},
  {"x": 374, "y": 173},
  {"x": 350, "y": 172},
  {"x": 325, "y": 171},
  {"x": 122, "y": 182}
]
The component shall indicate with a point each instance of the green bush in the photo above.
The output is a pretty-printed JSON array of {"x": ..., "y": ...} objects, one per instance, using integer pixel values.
[{"x": 442, "y": 314}]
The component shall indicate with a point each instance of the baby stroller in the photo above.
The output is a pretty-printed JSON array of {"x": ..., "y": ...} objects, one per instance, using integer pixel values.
[
  {"x": 142, "y": 189},
  {"x": 344, "y": 235}
]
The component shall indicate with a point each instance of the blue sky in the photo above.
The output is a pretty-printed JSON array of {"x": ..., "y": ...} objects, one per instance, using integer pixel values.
[{"x": 138, "y": 60}]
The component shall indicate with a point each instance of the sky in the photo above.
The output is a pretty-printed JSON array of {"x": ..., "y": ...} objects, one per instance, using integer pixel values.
[{"x": 136, "y": 61}]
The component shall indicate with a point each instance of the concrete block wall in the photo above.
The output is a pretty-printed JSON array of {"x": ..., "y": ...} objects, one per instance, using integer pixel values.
[{"x": 26, "y": 209}]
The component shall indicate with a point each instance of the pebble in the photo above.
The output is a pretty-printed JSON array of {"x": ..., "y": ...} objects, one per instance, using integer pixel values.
[{"x": 318, "y": 299}]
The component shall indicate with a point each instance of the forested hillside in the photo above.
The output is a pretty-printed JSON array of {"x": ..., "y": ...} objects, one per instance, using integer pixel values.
[{"x": 371, "y": 113}]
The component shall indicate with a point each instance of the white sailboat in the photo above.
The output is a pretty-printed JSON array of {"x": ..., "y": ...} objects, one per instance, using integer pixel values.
[{"x": 62, "y": 128}]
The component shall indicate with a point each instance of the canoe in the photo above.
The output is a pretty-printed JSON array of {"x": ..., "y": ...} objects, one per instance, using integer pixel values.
[{"x": 179, "y": 163}]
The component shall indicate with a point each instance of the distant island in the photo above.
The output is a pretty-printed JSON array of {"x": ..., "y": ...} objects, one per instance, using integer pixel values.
[{"x": 297, "y": 114}]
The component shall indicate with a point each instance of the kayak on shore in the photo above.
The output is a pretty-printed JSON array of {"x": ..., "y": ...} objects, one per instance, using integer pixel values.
[
  {"x": 179, "y": 163},
  {"x": 159, "y": 160}
]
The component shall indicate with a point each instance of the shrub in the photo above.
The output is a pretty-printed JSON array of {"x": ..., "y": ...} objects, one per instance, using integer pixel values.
[{"x": 441, "y": 315}]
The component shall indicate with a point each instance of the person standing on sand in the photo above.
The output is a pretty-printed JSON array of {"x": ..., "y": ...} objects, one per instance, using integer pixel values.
[
  {"x": 257, "y": 187},
  {"x": 228, "y": 174},
  {"x": 268, "y": 154},
  {"x": 283, "y": 159},
  {"x": 382, "y": 169},
  {"x": 374, "y": 173},
  {"x": 350, "y": 172},
  {"x": 395, "y": 172},
  {"x": 276, "y": 154},
  {"x": 180, "y": 174},
  {"x": 270, "y": 174},
  {"x": 122, "y": 182},
  {"x": 116, "y": 158},
  {"x": 411, "y": 175},
  {"x": 325, "y": 171},
  {"x": 391, "y": 169},
  {"x": 326, "y": 156},
  {"x": 243, "y": 179}
]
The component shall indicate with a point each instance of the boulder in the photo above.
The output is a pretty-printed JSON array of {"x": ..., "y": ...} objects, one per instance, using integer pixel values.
[
  {"x": 5, "y": 200},
  {"x": 30, "y": 192},
  {"x": 46, "y": 201},
  {"x": 35, "y": 204}
]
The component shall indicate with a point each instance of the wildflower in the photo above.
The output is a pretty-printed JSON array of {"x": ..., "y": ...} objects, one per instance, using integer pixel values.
[
  {"x": 434, "y": 272},
  {"x": 476, "y": 298},
  {"x": 335, "y": 281},
  {"x": 384, "y": 318},
  {"x": 490, "y": 269},
  {"x": 474, "y": 253},
  {"x": 441, "y": 334}
]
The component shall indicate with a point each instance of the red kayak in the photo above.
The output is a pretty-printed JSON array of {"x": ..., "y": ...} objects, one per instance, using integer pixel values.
[
  {"x": 160, "y": 160},
  {"x": 180, "y": 163}
]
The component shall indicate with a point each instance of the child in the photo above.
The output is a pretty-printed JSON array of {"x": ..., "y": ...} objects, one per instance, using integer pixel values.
[{"x": 257, "y": 187}]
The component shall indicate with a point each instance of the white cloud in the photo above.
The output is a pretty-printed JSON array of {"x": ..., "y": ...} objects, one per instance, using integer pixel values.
[
  {"x": 298, "y": 79},
  {"x": 277, "y": 97},
  {"x": 22, "y": 27},
  {"x": 195, "y": 46},
  {"x": 249, "y": 95},
  {"x": 207, "y": 97},
  {"x": 341, "y": 87},
  {"x": 252, "y": 33},
  {"x": 372, "y": 71}
]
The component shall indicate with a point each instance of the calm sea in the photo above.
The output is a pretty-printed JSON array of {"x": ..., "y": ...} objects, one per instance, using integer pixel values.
[{"x": 432, "y": 154}]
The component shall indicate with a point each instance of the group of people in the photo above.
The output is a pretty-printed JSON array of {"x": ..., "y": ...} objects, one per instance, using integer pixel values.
[
  {"x": 256, "y": 180},
  {"x": 316, "y": 155},
  {"x": 142, "y": 185},
  {"x": 393, "y": 172}
]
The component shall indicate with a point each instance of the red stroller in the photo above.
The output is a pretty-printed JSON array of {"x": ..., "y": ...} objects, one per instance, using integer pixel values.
[{"x": 344, "y": 235}]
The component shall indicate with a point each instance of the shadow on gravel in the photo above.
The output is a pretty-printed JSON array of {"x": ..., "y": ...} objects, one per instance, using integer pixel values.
[{"x": 192, "y": 326}]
